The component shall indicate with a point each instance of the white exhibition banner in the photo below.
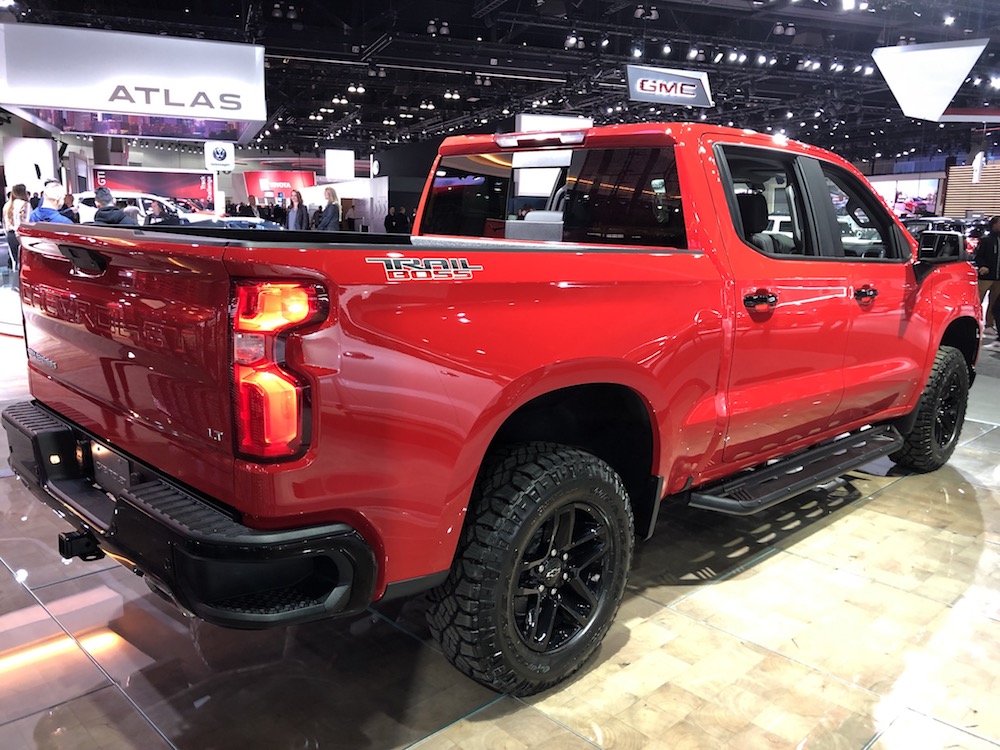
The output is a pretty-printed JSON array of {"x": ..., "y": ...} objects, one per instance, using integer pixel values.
[
  {"x": 924, "y": 78},
  {"x": 339, "y": 164},
  {"x": 94, "y": 70}
]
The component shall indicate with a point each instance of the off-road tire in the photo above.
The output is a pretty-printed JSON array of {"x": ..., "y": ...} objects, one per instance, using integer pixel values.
[
  {"x": 540, "y": 569},
  {"x": 940, "y": 414}
]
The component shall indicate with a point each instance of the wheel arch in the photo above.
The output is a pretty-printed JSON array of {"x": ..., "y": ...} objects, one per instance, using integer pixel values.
[
  {"x": 964, "y": 334},
  {"x": 609, "y": 420}
]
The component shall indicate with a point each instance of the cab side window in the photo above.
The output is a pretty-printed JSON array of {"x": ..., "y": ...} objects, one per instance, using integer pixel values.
[
  {"x": 864, "y": 227},
  {"x": 766, "y": 201}
]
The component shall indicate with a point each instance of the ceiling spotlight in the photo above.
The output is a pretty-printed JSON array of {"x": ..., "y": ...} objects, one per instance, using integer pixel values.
[
  {"x": 640, "y": 12},
  {"x": 570, "y": 41},
  {"x": 292, "y": 14},
  {"x": 778, "y": 30},
  {"x": 487, "y": 81},
  {"x": 361, "y": 88},
  {"x": 666, "y": 49},
  {"x": 790, "y": 30},
  {"x": 605, "y": 42},
  {"x": 761, "y": 59},
  {"x": 949, "y": 20},
  {"x": 692, "y": 53},
  {"x": 445, "y": 31},
  {"x": 732, "y": 57},
  {"x": 432, "y": 27},
  {"x": 352, "y": 89},
  {"x": 717, "y": 58},
  {"x": 276, "y": 13},
  {"x": 636, "y": 50},
  {"x": 869, "y": 70}
]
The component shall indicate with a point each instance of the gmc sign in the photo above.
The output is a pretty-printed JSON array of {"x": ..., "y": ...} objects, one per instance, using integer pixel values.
[{"x": 667, "y": 86}]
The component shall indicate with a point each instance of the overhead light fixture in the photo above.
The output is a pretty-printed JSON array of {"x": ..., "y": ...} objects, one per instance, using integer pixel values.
[
  {"x": 444, "y": 30},
  {"x": 779, "y": 29},
  {"x": 790, "y": 30},
  {"x": 692, "y": 53},
  {"x": 605, "y": 41},
  {"x": 276, "y": 12},
  {"x": 432, "y": 27},
  {"x": 292, "y": 14},
  {"x": 849, "y": 4},
  {"x": 636, "y": 50},
  {"x": 666, "y": 49},
  {"x": 949, "y": 20}
]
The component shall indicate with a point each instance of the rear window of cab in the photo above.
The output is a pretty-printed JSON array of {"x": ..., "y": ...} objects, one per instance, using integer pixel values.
[{"x": 588, "y": 196}]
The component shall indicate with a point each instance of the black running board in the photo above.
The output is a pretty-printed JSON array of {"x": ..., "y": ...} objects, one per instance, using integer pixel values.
[{"x": 760, "y": 488}]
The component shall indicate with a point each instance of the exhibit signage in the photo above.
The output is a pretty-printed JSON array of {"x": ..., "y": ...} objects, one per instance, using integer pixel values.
[
  {"x": 141, "y": 74},
  {"x": 168, "y": 183},
  {"x": 668, "y": 86},
  {"x": 275, "y": 183},
  {"x": 220, "y": 156},
  {"x": 134, "y": 75}
]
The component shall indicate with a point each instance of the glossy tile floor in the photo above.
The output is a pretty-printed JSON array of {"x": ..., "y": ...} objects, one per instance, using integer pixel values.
[{"x": 865, "y": 616}]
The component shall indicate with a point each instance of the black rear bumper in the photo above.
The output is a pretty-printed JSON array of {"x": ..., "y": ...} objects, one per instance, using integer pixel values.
[{"x": 196, "y": 553}]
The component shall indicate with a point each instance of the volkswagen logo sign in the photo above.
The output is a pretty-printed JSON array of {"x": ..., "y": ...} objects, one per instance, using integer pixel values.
[{"x": 219, "y": 153}]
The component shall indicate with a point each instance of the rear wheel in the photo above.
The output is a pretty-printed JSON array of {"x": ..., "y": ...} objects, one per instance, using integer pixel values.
[
  {"x": 540, "y": 570},
  {"x": 940, "y": 414}
]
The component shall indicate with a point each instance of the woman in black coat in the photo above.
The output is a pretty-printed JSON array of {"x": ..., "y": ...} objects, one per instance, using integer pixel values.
[{"x": 330, "y": 221}]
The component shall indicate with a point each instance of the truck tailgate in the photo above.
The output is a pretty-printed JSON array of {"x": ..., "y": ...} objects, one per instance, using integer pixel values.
[{"x": 134, "y": 345}]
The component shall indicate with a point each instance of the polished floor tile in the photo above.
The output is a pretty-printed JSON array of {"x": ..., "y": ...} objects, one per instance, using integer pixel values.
[
  {"x": 102, "y": 720},
  {"x": 864, "y": 614},
  {"x": 360, "y": 681}
]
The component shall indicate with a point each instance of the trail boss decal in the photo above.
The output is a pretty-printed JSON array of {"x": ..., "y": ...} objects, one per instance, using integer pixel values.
[{"x": 426, "y": 269}]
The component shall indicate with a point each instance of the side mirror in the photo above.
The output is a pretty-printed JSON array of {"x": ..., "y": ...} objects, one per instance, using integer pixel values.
[{"x": 942, "y": 247}]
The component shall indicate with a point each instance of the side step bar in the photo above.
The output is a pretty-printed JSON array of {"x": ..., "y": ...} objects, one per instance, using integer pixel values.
[{"x": 770, "y": 484}]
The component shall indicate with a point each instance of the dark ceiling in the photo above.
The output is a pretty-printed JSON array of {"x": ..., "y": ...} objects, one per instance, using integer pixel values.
[{"x": 503, "y": 56}]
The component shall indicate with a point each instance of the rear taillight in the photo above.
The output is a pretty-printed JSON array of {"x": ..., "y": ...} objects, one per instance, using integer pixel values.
[{"x": 270, "y": 402}]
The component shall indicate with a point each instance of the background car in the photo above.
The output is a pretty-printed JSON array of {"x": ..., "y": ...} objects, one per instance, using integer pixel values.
[
  {"x": 917, "y": 226},
  {"x": 143, "y": 201}
]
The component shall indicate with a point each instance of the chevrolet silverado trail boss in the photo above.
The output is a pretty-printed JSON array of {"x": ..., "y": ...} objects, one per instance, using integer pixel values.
[{"x": 274, "y": 430}]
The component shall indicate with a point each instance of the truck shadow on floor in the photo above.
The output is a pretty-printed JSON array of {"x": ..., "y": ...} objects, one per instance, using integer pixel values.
[{"x": 692, "y": 546}]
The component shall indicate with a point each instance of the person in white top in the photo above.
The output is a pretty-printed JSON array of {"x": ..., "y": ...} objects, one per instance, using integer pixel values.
[{"x": 15, "y": 212}]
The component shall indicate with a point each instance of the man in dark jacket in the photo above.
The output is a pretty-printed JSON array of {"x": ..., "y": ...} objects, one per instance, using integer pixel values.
[
  {"x": 107, "y": 212},
  {"x": 988, "y": 268}
]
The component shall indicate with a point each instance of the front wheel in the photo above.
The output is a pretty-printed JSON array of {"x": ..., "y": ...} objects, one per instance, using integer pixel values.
[
  {"x": 940, "y": 414},
  {"x": 540, "y": 570}
]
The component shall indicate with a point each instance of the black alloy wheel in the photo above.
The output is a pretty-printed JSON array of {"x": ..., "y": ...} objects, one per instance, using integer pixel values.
[
  {"x": 540, "y": 569},
  {"x": 940, "y": 414},
  {"x": 563, "y": 577}
]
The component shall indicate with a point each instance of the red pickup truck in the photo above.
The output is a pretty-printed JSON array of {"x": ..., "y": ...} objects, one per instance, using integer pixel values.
[{"x": 274, "y": 428}]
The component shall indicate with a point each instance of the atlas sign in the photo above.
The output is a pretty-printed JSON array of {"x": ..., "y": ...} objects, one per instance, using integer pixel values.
[{"x": 666, "y": 86}]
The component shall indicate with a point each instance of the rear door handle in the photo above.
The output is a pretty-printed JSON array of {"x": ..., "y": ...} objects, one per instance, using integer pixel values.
[
  {"x": 760, "y": 301},
  {"x": 866, "y": 294}
]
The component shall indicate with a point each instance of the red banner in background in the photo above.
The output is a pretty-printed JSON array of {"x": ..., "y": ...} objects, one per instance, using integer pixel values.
[
  {"x": 277, "y": 184},
  {"x": 196, "y": 185}
]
